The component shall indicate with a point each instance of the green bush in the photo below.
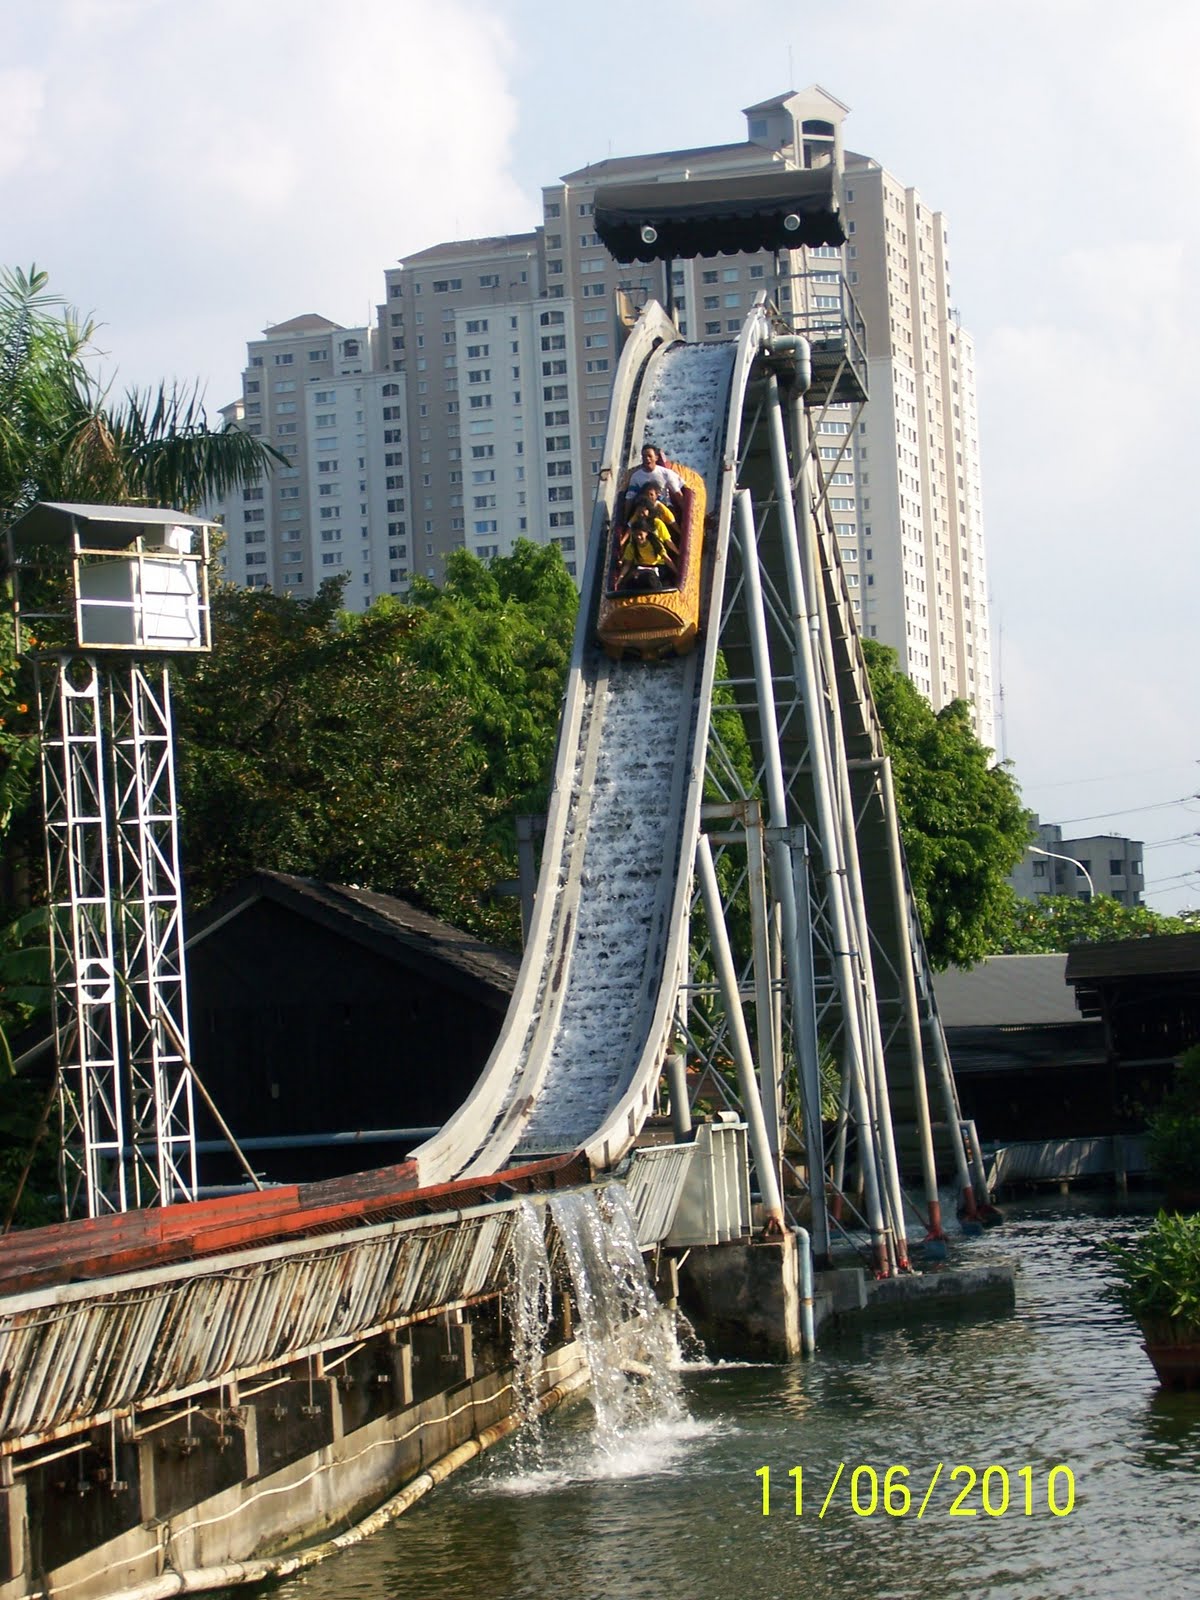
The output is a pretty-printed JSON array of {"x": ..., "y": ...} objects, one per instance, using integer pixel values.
[
  {"x": 1159, "y": 1282},
  {"x": 1174, "y": 1129}
]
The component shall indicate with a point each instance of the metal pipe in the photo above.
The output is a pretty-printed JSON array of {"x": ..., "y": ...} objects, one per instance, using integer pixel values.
[
  {"x": 953, "y": 1112},
  {"x": 976, "y": 1149},
  {"x": 808, "y": 1335},
  {"x": 796, "y": 944},
  {"x": 868, "y": 993},
  {"x": 908, "y": 982},
  {"x": 806, "y": 620},
  {"x": 319, "y": 1141},
  {"x": 768, "y": 1054},
  {"x": 681, "y": 1112},
  {"x": 738, "y": 1037}
]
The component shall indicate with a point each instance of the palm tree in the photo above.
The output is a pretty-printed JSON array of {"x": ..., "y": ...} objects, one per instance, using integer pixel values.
[{"x": 61, "y": 438}]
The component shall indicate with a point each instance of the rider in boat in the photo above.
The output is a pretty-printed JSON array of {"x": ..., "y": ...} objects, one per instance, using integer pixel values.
[{"x": 647, "y": 546}]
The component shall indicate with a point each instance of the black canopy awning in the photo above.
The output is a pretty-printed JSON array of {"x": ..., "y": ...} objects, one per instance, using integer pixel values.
[{"x": 719, "y": 216}]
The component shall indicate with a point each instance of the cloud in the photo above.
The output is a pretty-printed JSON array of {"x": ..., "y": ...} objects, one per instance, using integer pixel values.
[
  {"x": 22, "y": 96},
  {"x": 258, "y": 160}
]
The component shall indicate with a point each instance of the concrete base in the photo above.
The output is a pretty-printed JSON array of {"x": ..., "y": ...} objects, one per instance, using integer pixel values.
[
  {"x": 989, "y": 1286},
  {"x": 743, "y": 1299}
]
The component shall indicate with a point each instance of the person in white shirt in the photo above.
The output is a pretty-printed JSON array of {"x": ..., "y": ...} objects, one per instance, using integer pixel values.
[{"x": 653, "y": 471}]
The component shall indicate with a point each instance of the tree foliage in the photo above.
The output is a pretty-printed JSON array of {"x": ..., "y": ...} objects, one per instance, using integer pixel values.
[
  {"x": 309, "y": 743},
  {"x": 62, "y": 436},
  {"x": 961, "y": 817},
  {"x": 499, "y": 636},
  {"x": 1174, "y": 1129},
  {"x": 1057, "y": 921}
]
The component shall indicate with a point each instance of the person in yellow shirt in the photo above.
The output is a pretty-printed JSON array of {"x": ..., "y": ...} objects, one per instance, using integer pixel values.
[{"x": 648, "y": 541}]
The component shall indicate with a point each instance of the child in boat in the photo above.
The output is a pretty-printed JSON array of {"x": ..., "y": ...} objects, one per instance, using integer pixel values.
[{"x": 648, "y": 540}]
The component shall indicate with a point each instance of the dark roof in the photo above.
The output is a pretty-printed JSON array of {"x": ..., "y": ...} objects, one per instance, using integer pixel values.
[
  {"x": 612, "y": 165},
  {"x": 490, "y": 244},
  {"x": 384, "y": 923},
  {"x": 1159, "y": 954},
  {"x": 1026, "y": 1047},
  {"x": 1006, "y": 991},
  {"x": 307, "y": 322},
  {"x": 775, "y": 103},
  {"x": 52, "y": 522},
  {"x": 719, "y": 216}
]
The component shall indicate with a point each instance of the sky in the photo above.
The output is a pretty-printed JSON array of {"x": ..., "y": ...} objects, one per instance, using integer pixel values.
[{"x": 191, "y": 171}]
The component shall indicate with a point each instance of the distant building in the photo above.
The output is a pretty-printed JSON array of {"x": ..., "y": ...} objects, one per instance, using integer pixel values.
[
  {"x": 1054, "y": 865},
  {"x": 476, "y": 413}
]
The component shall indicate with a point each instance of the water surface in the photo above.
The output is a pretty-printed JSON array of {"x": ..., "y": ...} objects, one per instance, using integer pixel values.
[{"x": 676, "y": 1509}]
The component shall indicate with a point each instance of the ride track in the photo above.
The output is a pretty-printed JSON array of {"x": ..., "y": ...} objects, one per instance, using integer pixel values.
[
  {"x": 123, "y": 1325},
  {"x": 597, "y": 1002}
]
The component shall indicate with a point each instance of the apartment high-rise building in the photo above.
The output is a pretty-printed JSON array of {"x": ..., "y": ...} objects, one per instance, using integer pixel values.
[
  {"x": 493, "y": 360},
  {"x": 309, "y": 388}
]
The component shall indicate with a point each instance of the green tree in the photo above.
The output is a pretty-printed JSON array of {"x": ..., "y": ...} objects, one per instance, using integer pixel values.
[
  {"x": 1057, "y": 921},
  {"x": 309, "y": 743},
  {"x": 499, "y": 636},
  {"x": 961, "y": 817},
  {"x": 1174, "y": 1129},
  {"x": 62, "y": 436}
]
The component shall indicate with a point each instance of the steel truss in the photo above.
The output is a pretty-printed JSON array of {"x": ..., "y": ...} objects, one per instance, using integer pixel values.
[
  {"x": 813, "y": 886},
  {"x": 120, "y": 990}
]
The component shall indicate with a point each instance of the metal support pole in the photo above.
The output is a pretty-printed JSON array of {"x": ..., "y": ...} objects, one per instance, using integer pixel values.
[
  {"x": 681, "y": 1112},
  {"x": 153, "y": 977},
  {"x": 74, "y": 797},
  {"x": 526, "y": 871},
  {"x": 739, "y": 1038},
  {"x": 764, "y": 1009},
  {"x": 797, "y": 942},
  {"x": 808, "y": 1336},
  {"x": 912, "y": 1020},
  {"x": 806, "y": 625},
  {"x": 857, "y": 906},
  {"x": 953, "y": 1111}
]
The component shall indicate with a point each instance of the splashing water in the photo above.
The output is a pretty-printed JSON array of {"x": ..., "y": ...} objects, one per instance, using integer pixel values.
[
  {"x": 640, "y": 1427},
  {"x": 530, "y": 1302},
  {"x": 626, "y": 1335}
]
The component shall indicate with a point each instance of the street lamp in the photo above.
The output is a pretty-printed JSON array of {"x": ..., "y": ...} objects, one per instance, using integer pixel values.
[{"x": 1057, "y": 855}]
